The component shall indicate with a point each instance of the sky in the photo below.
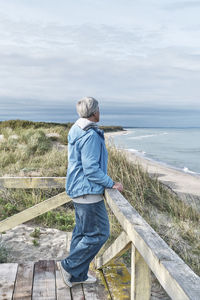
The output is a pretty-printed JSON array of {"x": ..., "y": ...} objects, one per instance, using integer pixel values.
[{"x": 129, "y": 55}]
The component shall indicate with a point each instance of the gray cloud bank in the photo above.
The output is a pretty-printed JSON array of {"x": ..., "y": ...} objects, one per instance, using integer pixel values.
[{"x": 124, "y": 114}]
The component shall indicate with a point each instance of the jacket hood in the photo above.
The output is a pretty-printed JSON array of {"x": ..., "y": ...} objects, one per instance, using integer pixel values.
[
  {"x": 80, "y": 129},
  {"x": 85, "y": 124}
]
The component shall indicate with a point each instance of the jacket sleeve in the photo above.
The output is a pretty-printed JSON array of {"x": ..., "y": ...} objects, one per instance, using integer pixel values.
[{"x": 90, "y": 156}]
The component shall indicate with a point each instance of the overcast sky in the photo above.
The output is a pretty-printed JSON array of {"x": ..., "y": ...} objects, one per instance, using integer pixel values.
[{"x": 129, "y": 52}]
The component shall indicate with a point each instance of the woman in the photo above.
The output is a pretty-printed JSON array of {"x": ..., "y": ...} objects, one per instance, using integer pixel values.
[{"x": 86, "y": 180}]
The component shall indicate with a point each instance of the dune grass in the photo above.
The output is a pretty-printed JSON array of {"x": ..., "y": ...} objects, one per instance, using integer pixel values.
[
  {"x": 31, "y": 150},
  {"x": 25, "y": 150}
]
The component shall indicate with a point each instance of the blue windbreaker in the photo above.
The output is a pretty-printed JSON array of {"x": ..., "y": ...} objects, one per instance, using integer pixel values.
[{"x": 87, "y": 162}]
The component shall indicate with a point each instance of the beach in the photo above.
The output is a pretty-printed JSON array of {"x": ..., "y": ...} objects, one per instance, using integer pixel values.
[{"x": 186, "y": 185}]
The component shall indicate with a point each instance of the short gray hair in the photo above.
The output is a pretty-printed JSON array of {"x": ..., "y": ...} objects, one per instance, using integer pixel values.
[{"x": 87, "y": 106}]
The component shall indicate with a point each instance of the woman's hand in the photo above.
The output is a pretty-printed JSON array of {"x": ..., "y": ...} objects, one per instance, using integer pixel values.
[{"x": 118, "y": 186}]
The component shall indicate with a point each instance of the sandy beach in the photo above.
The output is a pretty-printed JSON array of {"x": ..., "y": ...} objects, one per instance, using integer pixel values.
[{"x": 187, "y": 186}]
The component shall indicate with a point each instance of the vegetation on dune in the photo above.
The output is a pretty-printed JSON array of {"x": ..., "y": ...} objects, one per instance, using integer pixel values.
[
  {"x": 27, "y": 150},
  {"x": 23, "y": 124}
]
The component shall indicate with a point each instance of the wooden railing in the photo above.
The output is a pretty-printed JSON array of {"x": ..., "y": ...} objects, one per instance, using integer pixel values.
[{"x": 148, "y": 251}]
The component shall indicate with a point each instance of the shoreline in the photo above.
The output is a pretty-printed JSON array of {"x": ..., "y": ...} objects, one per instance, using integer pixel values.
[
  {"x": 185, "y": 185},
  {"x": 111, "y": 134}
]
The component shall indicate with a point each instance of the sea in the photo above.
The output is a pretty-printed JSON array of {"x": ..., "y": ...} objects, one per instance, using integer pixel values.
[{"x": 178, "y": 148}]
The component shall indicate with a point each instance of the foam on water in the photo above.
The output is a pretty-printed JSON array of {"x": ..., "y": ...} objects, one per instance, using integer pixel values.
[
  {"x": 146, "y": 136},
  {"x": 186, "y": 170}
]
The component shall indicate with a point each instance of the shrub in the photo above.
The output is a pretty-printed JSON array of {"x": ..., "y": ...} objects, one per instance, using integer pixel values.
[
  {"x": 57, "y": 219},
  {"x": 18, "y": 124}
]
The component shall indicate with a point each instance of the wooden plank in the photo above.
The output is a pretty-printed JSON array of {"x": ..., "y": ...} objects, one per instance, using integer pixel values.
[
  {"x": 118, "y": 280},
  {"x": 24, "y": 281},
  {"x": 63, "y": 292},
  {"x": 7, "y": 280},
  {"x": 32, "y": 182},
  {"x": 118, "y": 247},
  {"x": 140, "y": 276},
  {"x": 174, "y": 275},
  {"x": 34, "y": 211},
  {"x": 104, "y": 282},
  {"x": 96, "y": 291},
  {"x": 44, "y": 287},
  {"x": 77, "y": 292}
]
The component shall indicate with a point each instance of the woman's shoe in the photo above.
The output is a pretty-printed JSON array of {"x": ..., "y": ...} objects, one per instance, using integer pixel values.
[
  {"x": 65, "y": 275},
  {"x": 90, "y": 279}
]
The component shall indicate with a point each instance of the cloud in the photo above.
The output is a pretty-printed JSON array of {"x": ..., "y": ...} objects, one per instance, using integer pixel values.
[
  {"x": 182, "y": 5},
  {"x": 51, "y": 62}
]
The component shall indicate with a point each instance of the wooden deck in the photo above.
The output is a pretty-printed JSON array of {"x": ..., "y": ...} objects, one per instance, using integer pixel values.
[{"x": 42, "y": 281}]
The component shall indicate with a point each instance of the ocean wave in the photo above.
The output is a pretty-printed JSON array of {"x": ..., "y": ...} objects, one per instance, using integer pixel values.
[
  {"x": 137, "y": 151},
  {"x": 186, "y": 170},
  {"x": 140, "y": 137}
]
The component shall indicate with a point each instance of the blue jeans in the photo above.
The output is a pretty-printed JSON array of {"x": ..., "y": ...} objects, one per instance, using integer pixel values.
[{"x": 90, "y": 233}]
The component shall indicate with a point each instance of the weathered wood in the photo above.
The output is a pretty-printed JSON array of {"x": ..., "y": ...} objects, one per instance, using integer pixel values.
[
  {"x": 140, "y": 277},
  {"x": 179, "y": 281},
  {"x": 118, "y": 247},
  {"x": 24, "y": 282},
  {"x": 44, "y": 281},
  {"x": 118, "y": 280},
  {"x": 34, "y": 211},
  {"x": 32, "y": 182},
  {"x": 77, "y": 292},
  {"x": 96, "y": 291},
  {"x": 7, "y": 280},
  {"x": 133, "y": 250},
  {"x": 63, "y": 292}
]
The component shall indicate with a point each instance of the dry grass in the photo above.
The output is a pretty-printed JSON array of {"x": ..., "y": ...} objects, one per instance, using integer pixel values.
[{"x": 30, "y": 150}]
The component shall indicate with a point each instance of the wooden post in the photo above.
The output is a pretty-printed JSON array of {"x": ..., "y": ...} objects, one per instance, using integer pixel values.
[
  {"x": 133, "y": 272},
  {"x": 140, "y": 277}
]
